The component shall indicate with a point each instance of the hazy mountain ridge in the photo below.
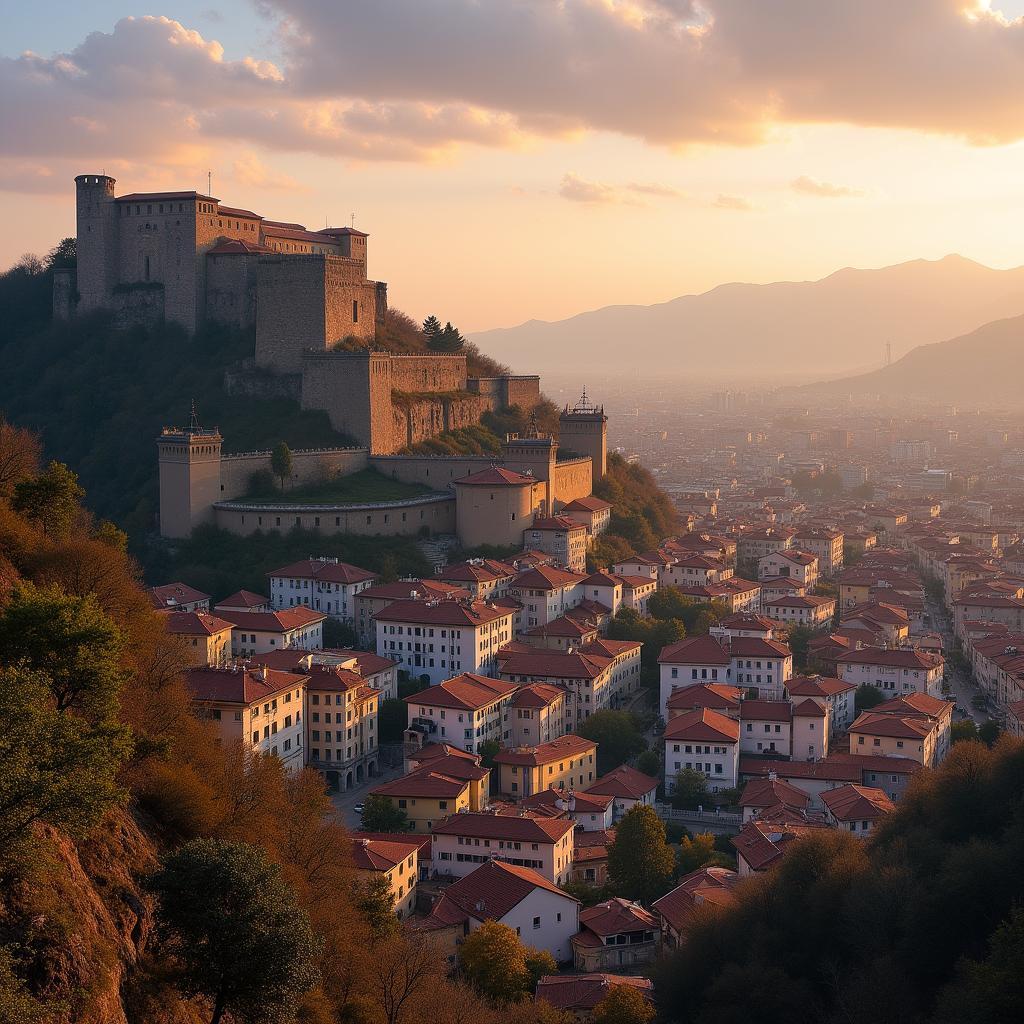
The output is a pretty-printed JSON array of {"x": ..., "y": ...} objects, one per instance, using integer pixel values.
[
  {"x": 984, "y": 368},
  {"x": 836, "y": 325}
]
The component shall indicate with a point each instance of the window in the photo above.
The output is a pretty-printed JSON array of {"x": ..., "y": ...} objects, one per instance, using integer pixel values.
[
  {"x": 536, "y": 923},
  {"x": 355, "y": 311}
]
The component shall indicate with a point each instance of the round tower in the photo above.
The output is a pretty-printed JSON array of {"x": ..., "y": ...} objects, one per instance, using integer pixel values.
[
  {"x": 583, "y": 428},
  {"x": 96, "y": 239}
]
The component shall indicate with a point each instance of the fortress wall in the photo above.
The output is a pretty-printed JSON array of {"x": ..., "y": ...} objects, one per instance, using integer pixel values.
[
  {"x": 290, "y": 312},
  {"x": 308, "y": 466},
  {"x": 429, "y": 373},
  {"x": 231, "y": 289},
  {"x": 167, "y": 239},
  {"x": 570, "y": 480},
  {"x": 391, "y": 519},
  {"x": 436, "y": 471},
  {"x": 350, "y": 302},
  {"x": 423, "y": 418},
  {"x": 354, "y": 388},
  {"x": 522, "y": 391}
]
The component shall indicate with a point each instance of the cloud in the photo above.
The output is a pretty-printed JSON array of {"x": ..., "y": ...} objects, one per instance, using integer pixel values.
[
  {"x": 579, "y": 190},
  {"x": 727, "y": 202},
  {"x": 248, "y": 169},
  {"x": 823, "y": 189},
  {"x": 417, "y": 80}
]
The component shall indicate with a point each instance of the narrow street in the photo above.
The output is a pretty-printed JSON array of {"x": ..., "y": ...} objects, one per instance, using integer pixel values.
[
  {"x": 963, "y": 688},
  {"x": 345, "y": 803}
]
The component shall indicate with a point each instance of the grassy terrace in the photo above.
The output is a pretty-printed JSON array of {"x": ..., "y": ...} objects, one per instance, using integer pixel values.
[{"x": 367, "y": 485}]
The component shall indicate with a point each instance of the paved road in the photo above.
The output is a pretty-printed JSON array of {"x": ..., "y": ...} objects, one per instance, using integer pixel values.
[
  {"x": 345, "y": 803},
  {"x": 964, "y": 689}
]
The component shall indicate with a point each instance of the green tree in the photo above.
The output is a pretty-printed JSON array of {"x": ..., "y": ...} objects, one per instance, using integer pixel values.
[
  {"x": 624, "y": 1004},
  {"x": 699, "y": 852},
  {"x": 964, "y": 730},
  {"x": 498, "y": 965},
  {"x": 281, "y": 462},
  {"x": 690, "y": 790},
  {"x": 52, "y": 499},
  {"x": 237, "y": 931},
  {"x": 798, "y": 641},
  {"x": 649, "y": 762},
  {"x": 617, "y": 735},
  {"x": 867, "y": 697},
  {"x": 432, "y": 330},
  {"x": 669, "y": 603},
  {"x": 71, "y": 642},
  {"x": 381, "y": 815},
  {"x": 989, "y": 732},
  {"x": 58, "y": 768},
  {"x": 990, "y": 991},
  {"x": 376, "y": 904},
  {"x": 64, "y": 255},
  {"x": 391, "y": 720},
  {"x": 449, "y": 340},
  {"x": 488, "y": 750},
  {"x": 640, "y": 862}
]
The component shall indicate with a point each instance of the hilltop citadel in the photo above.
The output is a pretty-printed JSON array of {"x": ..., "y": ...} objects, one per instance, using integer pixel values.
[{"x": 316, "y": 317}]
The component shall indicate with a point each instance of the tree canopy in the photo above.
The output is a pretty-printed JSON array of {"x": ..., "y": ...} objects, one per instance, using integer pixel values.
[
  {"x": 640, "y": 861},
  {"x": 236, "y": 929},
  {"x": 617, "y": 735},
  {"x": 498, "y": 965}
]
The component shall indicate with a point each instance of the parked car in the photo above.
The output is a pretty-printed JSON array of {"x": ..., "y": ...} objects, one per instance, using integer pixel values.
[{"x": 359, "y": 808}]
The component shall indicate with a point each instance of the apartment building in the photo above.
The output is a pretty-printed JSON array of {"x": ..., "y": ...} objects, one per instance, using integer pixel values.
[
  {"x": 323, "y": 584},
  {"x": 465, "y": 711}
]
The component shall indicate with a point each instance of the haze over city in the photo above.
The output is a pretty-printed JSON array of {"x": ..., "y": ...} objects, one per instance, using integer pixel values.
[
  {"x": 655, "y": 148},
  {"x": 512, "y": 512}
]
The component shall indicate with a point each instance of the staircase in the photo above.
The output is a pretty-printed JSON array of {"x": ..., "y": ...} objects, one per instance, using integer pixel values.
[{"x": 437, "y": 550}]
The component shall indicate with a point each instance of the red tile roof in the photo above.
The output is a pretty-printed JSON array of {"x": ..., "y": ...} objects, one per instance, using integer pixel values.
[
  {"x": 283, "y": 621},
  {"x": 817, "y": 686},
  {"x": 766, "y": 710},
  {"x": 239, "y": 686},
  {"x": 580, "y": 993},
  {"x": 849, "y": 803},
  {"x": 443, "y": 613},
  {"x": 173, "y": 595},
  {"x": 556, "y": 524},
  {"x": 704, "y": 725},
  {"x": 427, "y": 782},
  {"x": 537, "y": 695},
  {"x": 697, "y": 650},
  {"x": 564, "y": 747},
  {"x": 465, "y": 692},
  {"x": 490, "y": 892},
  {"x": 903, "y": 657},
  {"x": 194, "y": 623},
  {"x": 705, "y": 885},
  {"x": 380, "y": 854},
  {"x": 616, "y": 915},
  {"x": 624, "y": 782},
  {"x": 243, "y": 599},
  {"x": 555, "y": 665},
  {"x": 546, "y": 577},
  {"x": 590, "y": 504},
  {"x": 497, "y": 476},
  {"x": 501, "y": 826},
  {"x": 768, "y": 792},
  {"x": 325, "y": 570},
  {"x": 705, "y": 695}
]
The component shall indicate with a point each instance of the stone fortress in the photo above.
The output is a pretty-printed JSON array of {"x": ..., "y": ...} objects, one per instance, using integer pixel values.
[
  {"x": 483, "y": 499},
  {"x": 185, "y": 257}
]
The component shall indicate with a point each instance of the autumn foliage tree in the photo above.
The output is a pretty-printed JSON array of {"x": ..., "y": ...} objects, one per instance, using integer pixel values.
[{"x": 499, "y": 966}]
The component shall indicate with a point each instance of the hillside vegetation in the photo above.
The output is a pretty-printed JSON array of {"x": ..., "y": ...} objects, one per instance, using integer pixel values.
[
  {"x": 99, "y": 395},
  {"x": 921, "y": 922},
  {"x": 128, "y": 831}
]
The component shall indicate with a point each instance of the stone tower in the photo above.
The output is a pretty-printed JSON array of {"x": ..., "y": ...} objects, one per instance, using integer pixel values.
[
  {"x": 533, "y": 454},
  {"x": 97, "y": 240},
  {"x": 189, "y": 477},
  {"x": 583, "y": 429}
]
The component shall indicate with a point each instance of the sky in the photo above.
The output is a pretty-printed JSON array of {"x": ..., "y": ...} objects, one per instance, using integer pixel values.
[{"x": 519, "y": 159}]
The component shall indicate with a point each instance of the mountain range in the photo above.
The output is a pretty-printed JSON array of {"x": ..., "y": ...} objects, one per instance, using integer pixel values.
[
  {"x": 984, "y": 368},
  {"x": 838, "y": 325}
]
